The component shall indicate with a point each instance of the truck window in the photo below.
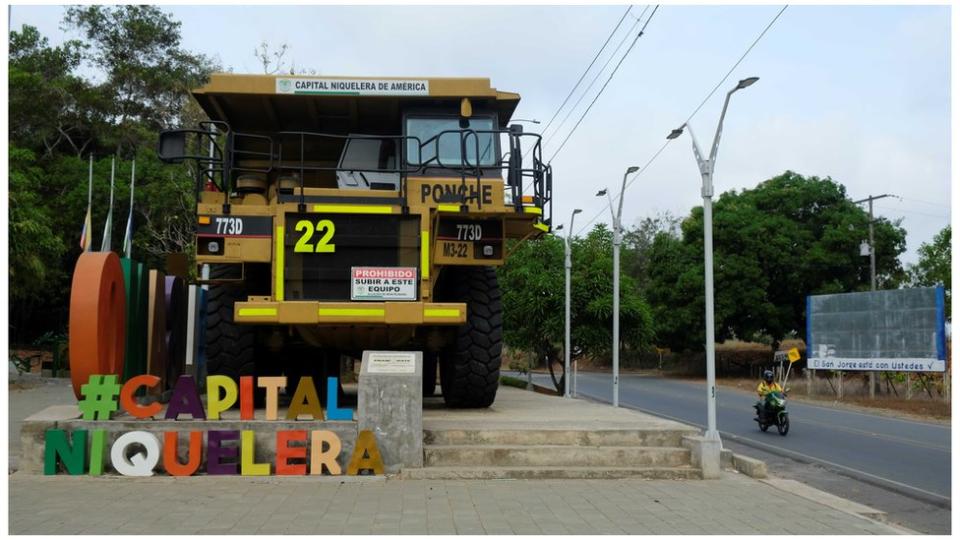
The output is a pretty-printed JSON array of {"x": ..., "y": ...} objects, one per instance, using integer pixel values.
[{"x": 427, "y": 130}]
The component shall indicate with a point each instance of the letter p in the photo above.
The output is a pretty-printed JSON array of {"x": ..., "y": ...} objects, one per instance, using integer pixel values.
[{"x": 216, "y": 404}]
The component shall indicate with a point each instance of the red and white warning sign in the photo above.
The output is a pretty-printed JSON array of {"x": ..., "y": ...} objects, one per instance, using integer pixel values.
[{"x": 376, "y": 283}]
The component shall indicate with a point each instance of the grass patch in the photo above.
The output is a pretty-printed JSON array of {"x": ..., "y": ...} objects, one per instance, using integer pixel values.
[{"x": 513, "y": 381}]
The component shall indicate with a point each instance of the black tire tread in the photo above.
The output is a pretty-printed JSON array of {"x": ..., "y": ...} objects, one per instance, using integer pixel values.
[
  {"x": 230, "y": 346},
  {"x": 470, "y": 372}
]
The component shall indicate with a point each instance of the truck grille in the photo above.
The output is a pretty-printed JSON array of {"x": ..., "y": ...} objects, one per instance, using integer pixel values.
[{"x": 320, "y": 249}]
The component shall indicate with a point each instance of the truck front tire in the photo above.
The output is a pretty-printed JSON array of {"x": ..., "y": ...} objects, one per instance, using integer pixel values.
[
  {"x": 470, "y": 369},
  {"x": 230, "y": 346}
]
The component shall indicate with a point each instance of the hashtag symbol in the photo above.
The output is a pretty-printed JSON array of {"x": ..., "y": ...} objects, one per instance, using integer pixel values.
[{"x": 99, "y": 397}]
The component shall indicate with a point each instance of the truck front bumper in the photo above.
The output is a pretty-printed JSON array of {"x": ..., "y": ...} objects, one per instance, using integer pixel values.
[{"x": 353, "y": 313}]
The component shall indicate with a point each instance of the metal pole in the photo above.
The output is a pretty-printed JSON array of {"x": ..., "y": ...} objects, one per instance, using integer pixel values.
[
  {"x": 706, "y": 190},
  {"x": 573, "y": 391},
  {"x": 567, "y": 266},
  {"x": 873, "y": 287},
  {"x": 618, "y": 240},
  {"x": 566, "y": 324},
  {"x": 712, "y": 432}
]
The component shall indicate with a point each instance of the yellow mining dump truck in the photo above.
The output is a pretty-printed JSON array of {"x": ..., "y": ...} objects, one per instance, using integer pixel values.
[{"x": 342, "y": 214}]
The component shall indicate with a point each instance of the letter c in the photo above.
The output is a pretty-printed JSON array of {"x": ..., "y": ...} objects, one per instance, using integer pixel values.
[{"x": 130, "y": 405}]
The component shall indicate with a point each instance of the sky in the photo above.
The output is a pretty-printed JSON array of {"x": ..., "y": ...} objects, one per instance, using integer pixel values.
[{"x": 857, "y": 93}]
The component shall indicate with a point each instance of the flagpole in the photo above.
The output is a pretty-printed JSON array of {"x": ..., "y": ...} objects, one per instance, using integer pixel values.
[
  {"x": 108, "y": 226},
  {"x": 87, "y": 233},
  {"x": 128, "y": 235}
]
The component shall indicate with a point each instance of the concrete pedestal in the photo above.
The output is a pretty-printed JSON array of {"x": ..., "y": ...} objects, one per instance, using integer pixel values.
[
  {"x": 390, "y": 404},
  {"x": 705, "y": 454}
]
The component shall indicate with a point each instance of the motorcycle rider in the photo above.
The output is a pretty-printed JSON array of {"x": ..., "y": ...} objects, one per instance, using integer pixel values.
[{"x": 766, "y": 386}]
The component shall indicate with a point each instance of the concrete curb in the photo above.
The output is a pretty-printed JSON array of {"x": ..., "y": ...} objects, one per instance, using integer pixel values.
[
  {"x": 837, "y": 503},
  {"x": 754, "y": 468}
]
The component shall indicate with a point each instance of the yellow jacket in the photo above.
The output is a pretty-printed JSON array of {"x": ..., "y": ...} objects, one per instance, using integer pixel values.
[{"x": 763, "y": 388}]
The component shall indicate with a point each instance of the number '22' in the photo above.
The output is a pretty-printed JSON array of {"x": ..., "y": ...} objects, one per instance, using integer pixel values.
[{"x": 324, "y": 227}]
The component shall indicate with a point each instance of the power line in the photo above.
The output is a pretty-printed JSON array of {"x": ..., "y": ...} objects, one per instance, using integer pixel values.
[
  {"x": 695, "y": 111},
  {"x": 595, "y": 77},
  {"x": 592, "y": 82},
  {"x": 584, "y": 74},
  {"x": 940, "y": 216},
  {"x": 941, "y": 205},
  {"x": 744, "y": 55},
  {"x": 604, "y": 87}
]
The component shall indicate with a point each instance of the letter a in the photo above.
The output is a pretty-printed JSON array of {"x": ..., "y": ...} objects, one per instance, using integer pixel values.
[
  {"x": 305, "y": 401},
  {"x": 185, "y": 399},
  {"x": 366, "y": 455}
]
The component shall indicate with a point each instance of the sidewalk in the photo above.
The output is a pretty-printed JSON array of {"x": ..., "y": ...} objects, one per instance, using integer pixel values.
[
  {"x": 111, "y": 504},
  {"x": 334, "y": 505}
]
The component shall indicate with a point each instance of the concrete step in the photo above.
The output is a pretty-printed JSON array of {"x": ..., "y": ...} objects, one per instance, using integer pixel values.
[
  {"x": 554, "y": 456},
  {"x": 535, "y": 437},
  {"x": 541, "y": 473}
]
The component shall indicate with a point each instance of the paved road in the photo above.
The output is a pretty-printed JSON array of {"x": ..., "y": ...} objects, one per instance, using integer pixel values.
[{"x": 907, "y": 455}]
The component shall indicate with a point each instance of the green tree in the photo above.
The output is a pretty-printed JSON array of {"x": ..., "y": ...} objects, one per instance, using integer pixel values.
[
  {"x": 789, "y": 237},
  {"x": 147, "y": 74},
  {"x": 533, "y": 299},
  {"x": 51, "y": 109},
  {"x": 638, "y": 240},
  {"x": 35, "y": 249},
  {"x": 933, "y": 268},
  {"x": 61, "y": 114}
]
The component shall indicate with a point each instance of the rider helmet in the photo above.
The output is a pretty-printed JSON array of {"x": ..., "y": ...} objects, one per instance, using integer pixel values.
[{"x": 768, "y": 376}]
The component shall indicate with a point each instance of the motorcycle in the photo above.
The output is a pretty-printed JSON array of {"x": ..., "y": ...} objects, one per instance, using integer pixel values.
[{"x": 773, "y": 412}]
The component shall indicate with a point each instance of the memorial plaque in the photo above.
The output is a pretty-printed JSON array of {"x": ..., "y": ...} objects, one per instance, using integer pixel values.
[{"x": 392, "y": 362}]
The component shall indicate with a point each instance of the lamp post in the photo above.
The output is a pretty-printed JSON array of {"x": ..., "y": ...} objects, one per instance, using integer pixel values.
[
  {"x": 567, "y": 265},
  {"x": 617, "y": 239},
  {"x": 524, "y": 120},
  {"x": 706, "y": 173}
]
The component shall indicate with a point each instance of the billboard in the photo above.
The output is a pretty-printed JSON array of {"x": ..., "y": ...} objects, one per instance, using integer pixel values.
[{"x": 896, "y": 330}]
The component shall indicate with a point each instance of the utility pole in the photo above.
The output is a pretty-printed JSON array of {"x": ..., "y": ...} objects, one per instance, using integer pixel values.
[{"x": 873, "y": 270}]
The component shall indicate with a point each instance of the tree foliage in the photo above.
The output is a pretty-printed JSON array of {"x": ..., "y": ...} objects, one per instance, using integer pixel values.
[
  {"x": 147, "y": 74},
  {"x": 789, "y": 237},
  {"x": 51, "y": 109},
  {"x": 533, "y": 300},
  {"x": 934, "y": 265},
  {"x": 106, "y": 94}
]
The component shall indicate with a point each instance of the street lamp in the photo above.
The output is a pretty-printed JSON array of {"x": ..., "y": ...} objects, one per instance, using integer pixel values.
[
  {"x": 617, "y": 238},
  {"x": 524, "y": 120},
  {"x": 706, "y": 173},
  {"x": 567, "y": 265}
]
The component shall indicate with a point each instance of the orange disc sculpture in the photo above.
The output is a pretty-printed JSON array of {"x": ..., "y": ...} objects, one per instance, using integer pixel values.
[{"x": 97, "y": 318}]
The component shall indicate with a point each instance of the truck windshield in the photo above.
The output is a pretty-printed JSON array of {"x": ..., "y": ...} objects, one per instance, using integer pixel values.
[{"x": 426, "y": 128}]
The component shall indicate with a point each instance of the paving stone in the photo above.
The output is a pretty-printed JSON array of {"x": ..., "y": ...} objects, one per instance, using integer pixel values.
[{"x": 732, "y": 505}]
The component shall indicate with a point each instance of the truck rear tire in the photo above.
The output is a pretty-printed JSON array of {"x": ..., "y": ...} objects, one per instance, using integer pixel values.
[
  {"x": 230, "y": 346},
  {"x": 470, "y": 369}
]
